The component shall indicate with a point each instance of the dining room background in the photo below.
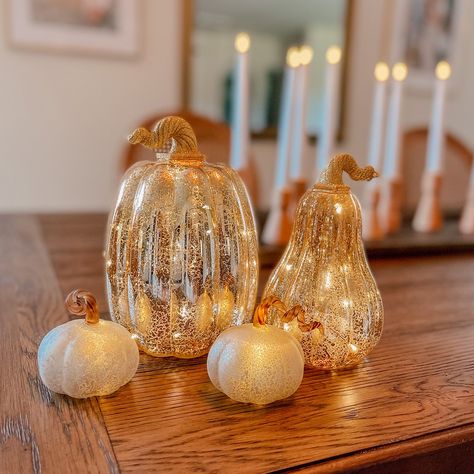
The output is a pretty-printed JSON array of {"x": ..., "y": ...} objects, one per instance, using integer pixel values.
[
  {"x": 65, "y": 113},
  {"x": 236, "y": 236}
]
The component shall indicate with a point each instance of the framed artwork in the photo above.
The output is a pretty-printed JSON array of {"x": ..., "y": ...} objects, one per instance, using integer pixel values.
[
  {"x": 428, "y": 32},
  {"x": 209, "y": 31},
  {"x": 105, "y": 27}
]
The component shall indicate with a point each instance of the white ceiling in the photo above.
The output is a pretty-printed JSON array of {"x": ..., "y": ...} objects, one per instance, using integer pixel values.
[{"x": 285, "y": 17}]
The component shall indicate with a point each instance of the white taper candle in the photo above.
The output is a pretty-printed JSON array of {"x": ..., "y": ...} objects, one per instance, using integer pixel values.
[
  {"x": 285, "y": 124},
  {"x": 471, "y": 175},
  {"x": 435, "y": 149},
  {"x": 381, "y": 73},
  {"x": 240, "y": 136},
  {"x": 300, "y": 139},
  {"x": 327, "y": 134},
  {"x": 392, "y": 143},
  {"x": 466, "y": 223}
]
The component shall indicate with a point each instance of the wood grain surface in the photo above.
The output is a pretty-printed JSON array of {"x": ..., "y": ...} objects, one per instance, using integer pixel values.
[
  {"x": 405, "y": 243},
  {"x": 408, "y": 408},
  {"x": 39, "y": 431}
]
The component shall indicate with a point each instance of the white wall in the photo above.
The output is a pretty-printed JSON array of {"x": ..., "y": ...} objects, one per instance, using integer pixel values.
[
  {"x": 76, "y": 111},
  {"x": 371, "y": 40},
  {"x": 370, "y": 43},
  {"x": 459, "y": 116},
  {"x": 64, "y": 118}
]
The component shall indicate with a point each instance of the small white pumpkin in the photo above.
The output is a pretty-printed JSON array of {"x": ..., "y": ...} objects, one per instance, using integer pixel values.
[
  {"x": 86, "y": 358},
  {"x": 256, "y": 363}
]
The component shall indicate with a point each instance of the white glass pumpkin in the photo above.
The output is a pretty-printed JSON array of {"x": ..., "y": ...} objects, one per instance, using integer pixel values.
[
  {"x": 86, "y": 358},
  {"x": 256, "y": 363}
]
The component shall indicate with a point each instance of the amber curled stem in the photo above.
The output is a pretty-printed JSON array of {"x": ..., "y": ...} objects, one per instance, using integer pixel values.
[
  {"x": 341, "y": 162},
  {"x": 261, "y": 311},
  {"x": 83, "y": 303},
  {"x": 169, "y": 130},
  {"x": 297, "y": 312}
]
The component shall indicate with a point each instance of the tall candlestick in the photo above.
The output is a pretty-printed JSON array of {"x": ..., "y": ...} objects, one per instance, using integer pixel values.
[
  {"x": 286, "y": 118},
  {"x": 428, "y": 216},
  {"x": 371, "y": 228},
  {"x": 240, "y": 105},
  {"x": 330, "y": 105},
  {"x": 277, "y": 228},
  {"x": 434, "y": 158},
  {"x": 381, "y": 74},
  {"x": 300, "y": 139},
  {"x": 392, "y": 145},
  {"x": 466, "y": 223},
  {"x": 390, "y": 204}
]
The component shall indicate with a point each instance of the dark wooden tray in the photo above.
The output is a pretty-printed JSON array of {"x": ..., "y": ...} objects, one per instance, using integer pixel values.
[{"x": 406, "y": 243}]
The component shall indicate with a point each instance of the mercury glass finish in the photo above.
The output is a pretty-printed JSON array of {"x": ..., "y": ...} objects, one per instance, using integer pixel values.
[
  {"x": 182, "y": 255},
  {"x": 324, "y": 269}
]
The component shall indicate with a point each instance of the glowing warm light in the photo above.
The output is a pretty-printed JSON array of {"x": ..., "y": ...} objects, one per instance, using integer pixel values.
[
  {"x": 399, "y": 71},
  {"x": 338, "y": 207},
  {"x": 306, "y": 55},
  {"x": 381, "y": 72},
  {"x": 346, "y": 303},
  {"x": 293, "y": 57},
  {"x": 333, "y": 54},
  {"x": 191, "y": 319},
  {"x": 353, "y": 348},
  {"x": 443, "y": 70},
  {"x": 242, "y": 42}
]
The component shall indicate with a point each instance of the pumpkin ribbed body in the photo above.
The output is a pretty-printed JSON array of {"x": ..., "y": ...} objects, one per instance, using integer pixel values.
[
  {"x": 181, "y": 256},
  {"x": 87, "y": 360},
  {"x": 256, "y": 364},
  {"x": 89, "y": 357},
  {"x": 324, "y": 269}
]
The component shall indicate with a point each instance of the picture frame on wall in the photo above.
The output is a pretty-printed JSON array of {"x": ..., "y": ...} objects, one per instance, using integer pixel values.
[
  {"x": 426, "y": 32},
  {"x": 202, "y": 18},
  {"x": 97, "y": 27}
]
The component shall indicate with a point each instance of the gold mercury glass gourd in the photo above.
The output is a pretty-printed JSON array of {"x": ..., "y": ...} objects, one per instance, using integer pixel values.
[
  {"x": 182, "y": 252},
  {"x": 324, "y": 269}
]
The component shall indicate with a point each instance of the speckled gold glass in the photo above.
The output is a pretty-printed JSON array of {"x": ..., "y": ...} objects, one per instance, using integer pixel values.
[
  {"x": 256, "y": 363},
  {"x": 182, "y": 253},
  {"x": 324, "y": 269}
]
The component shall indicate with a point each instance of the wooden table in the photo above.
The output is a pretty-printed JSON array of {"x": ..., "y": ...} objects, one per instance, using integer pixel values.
[{"x": 409, "y": 408}]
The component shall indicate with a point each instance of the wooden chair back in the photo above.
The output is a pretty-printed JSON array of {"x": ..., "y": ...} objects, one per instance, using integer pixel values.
[
  {"x": 213, "y": 139},
  {"x": 457, "y": 165}
]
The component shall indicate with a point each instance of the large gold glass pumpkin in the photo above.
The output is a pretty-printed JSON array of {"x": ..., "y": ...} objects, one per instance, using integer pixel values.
[
  {"x": 182, "y": 252},
  {"x": 324, "y": 269}
]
